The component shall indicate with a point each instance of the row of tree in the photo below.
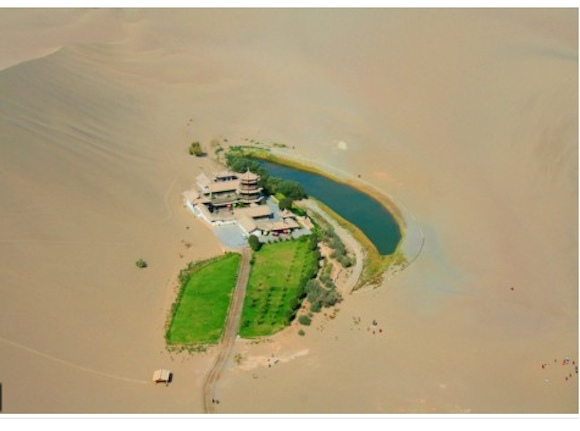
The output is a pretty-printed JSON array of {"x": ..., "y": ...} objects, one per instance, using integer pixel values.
[
  {"x": 320, "y": 292},
  {"x": 272, "y": 185},
  {"x": 308, "y": 273}
]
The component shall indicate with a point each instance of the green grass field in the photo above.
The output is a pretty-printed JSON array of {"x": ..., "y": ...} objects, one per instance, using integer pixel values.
[
  {"x": 201, "y": 312},
  {"x": 276, "y": 283}
]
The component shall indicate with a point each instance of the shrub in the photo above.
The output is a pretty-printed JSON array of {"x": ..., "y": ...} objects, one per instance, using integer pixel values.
[
  {"x": 254, "y": 242},
  {"x": 290, "y": 315},
  {"x": 301, "y": 333},
  {"x": 285, "y": 204},
  {"x": 313, "y": 289},
  {"x": 331, "y": 298},
  {"x": 294, "y": 304},
  {"x": 298, "y": 211},
  {"x": 305, "y": 320},
  {"x": 319, "y": 296},
  {"x": 346, "y": 261},
  {"x": 316, "y": 306},
  {"x": 141, "y": 263},
  {"x": 312, "y": 242},
  {"x": 195, "y": 149}
]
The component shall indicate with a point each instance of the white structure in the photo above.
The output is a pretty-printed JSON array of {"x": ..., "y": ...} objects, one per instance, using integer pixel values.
[{"x": 162, "y": 376}]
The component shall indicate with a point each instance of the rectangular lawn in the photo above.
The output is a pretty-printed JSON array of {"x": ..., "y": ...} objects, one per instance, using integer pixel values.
[
  {"x": 274, "y": 286},
  {"x": 201, "y": 313}
]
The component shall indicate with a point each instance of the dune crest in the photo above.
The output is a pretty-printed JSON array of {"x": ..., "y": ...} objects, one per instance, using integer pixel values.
[{"x": 469, "y": 117}]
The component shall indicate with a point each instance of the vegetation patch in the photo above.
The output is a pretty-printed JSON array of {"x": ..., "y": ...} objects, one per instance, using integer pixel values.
[
  {"x": 238, "y": 159},
  {"x": 200, "y": 310},
  {"x": 255, "y": 153},
  {"x": 141, "y": 263},
  {"x": 254, "y": 242},
  {"x": 375, "y": 264},
  {"x": 276, "y": 286},
  {"x": 196, "y": 150}
]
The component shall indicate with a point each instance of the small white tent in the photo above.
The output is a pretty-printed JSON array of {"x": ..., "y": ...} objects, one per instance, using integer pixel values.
[{"x": 162, "y": 376}]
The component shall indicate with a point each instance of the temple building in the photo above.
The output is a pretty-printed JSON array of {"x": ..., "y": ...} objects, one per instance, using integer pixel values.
[
  {"x": 227, "y": 188},
  {"x": 231, "y": 198},
  {"x": 248, "y": 189}
]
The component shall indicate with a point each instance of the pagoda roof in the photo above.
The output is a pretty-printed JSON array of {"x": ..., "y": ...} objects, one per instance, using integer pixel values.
[
  {"x": 282, "y": 225},
  {"x": 225, "y": 174},
  {"x": 222, "y": 186},
  {"x": 247, "y": 223},
  {"x": 253, "y": 211},
  {"x": 249, "y": 176}
]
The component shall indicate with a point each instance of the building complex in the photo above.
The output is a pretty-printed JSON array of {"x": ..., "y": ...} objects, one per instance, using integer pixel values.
[{"x": 236, "y": 198}]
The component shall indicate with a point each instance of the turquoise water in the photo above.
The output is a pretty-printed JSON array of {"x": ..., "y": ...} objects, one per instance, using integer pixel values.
[{"x": 358, "y": 208}]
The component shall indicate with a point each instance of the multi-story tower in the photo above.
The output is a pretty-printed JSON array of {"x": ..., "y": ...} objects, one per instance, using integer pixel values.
[{"x": 248, "y": 189}]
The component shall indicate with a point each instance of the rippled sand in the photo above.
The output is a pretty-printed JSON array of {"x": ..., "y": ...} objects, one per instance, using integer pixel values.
[{"x": 468, "y": 118}]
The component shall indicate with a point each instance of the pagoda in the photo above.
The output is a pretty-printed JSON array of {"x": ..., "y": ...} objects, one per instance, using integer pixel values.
[{"x": 248, "y": 189}]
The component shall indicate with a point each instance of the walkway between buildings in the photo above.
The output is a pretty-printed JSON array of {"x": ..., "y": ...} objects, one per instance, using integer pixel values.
[{"x": 230, "y": 333}]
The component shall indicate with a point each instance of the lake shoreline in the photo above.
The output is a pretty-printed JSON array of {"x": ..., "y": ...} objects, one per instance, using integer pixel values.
[{"x": 377, "y": 266}]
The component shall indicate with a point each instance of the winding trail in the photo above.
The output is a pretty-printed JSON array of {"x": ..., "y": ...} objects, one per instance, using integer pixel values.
[
  {"x": 72, "y": 364},
  {"x": 230, "y": 332}
]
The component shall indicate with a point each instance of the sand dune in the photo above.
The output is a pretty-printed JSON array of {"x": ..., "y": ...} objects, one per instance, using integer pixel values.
[{"x": 469, "y": 118}]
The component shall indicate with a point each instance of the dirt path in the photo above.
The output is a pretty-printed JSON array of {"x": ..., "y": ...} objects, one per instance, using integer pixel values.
[
  {"x": 230, "y": 333},
  {"x": 350, "y": 243}
]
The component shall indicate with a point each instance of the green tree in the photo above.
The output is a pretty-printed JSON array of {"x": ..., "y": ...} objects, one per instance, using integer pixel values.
[
  {"x": 254, "y": 242},
  {"x": 312, "y": 242},
  {"x": 285, "y": 204},
  {"x": 292, "y": 189},
  {"x": 238, "y": 163}
]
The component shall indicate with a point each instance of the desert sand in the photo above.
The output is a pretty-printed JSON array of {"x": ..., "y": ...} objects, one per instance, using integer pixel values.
[{"x": 467, "y": 118}]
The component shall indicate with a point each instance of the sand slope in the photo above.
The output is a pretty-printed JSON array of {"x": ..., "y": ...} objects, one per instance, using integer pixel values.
[{"x": 469, "y": 118}]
